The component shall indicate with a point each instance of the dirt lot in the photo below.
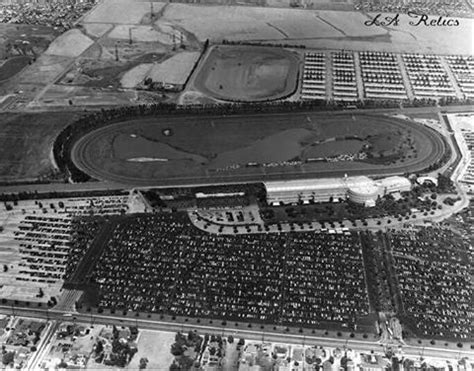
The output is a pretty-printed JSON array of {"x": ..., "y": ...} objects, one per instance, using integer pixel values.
[
  {"x": 25, "y": 143},
  {"x": 70, "y": 44},
  {"x": 246, "y": 73},
  {"x": 176, "y": 69},
  {"x": 156, "y": 347}
]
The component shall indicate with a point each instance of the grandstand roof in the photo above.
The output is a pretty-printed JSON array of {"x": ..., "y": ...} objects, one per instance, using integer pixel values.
[
  {"x": 317, "y": 184},
  {"x": 365, "y": 189},
  {"x": 394, "y": 182}
]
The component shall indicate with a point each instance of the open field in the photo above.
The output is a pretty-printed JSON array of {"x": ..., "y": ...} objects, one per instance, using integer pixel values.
[
  {"x": 70, "y": 44},
  {"x": 12, "y": 66},
  {"x": 136, "y": 75},
  {"x": 255, "y": 23},
  {"x": 243, "y": 73},
  {"x": 103, "y": 36},
  {"x": 44, "y": 70},
  {"x": 316, "y": 29},
  {"x": 25, "y": 143},
  {"x": 322, "y": 29},
  {"x": 31, "y": 39},
  {"x": 174, "y": 70},
  {"x": 141, "y": 34},
  {"x": 96, "y": 29},
  {"x": 156, "y": 347},
  {"x": 19, "y": 44},
  {"x": 61, "y": 96},
  {"x": 144, "y": 152},
  {"x": 121, "y": 12}
]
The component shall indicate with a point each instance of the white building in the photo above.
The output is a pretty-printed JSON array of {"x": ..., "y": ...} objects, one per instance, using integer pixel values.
[
  {"x": 360, "y": 189},
  {"x": 394, "y": 184}
]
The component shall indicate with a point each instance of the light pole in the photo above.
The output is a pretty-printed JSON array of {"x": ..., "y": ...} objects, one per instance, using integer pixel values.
[{"x": 303, "y": 357}]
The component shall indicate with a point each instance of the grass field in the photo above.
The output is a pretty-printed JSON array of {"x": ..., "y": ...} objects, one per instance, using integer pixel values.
[
  {"x": 31, "y": 39},
  {"x": 206, "y": 148},
  {"x": 19, "y": 44},
  {"x": 12, "y": 66},
  {"x": 246, "y": 73},
  {"x": 25, "y": 143}
]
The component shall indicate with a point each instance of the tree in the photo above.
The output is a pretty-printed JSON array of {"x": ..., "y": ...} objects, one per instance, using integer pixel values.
[
  {"x": 143, "y": 363},
  {"x": 115, "y": 332},
  {"x": 62, "y": 364},
  {"x": 8, "y": 358},
  {"x": 99, "y": 348},
  {"x": 177, "y": 349}
]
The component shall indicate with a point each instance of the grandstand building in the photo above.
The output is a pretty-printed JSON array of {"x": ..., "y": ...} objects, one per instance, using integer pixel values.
[{"x": 360, "y": 189}]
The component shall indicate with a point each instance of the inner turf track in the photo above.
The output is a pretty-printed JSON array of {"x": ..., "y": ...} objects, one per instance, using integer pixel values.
[{"x": 199, "y": 146}]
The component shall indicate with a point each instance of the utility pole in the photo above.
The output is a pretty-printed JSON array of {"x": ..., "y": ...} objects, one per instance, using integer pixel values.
[
  {"x": 116, "y": 52},
  {"x": 152, "y": 15},
  {"x": 130, "y": 35}
]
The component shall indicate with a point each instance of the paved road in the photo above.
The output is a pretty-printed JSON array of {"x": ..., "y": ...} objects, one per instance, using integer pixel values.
[
  {"x": 359, "y": 345},
  {"x": 42, "y": 347}
]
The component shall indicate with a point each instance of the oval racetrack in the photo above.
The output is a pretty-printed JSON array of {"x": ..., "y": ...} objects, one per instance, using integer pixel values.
[{"x": 207, "y": 149}]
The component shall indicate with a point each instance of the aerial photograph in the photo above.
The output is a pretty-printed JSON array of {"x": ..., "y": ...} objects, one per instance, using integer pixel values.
[{"x": 237, "y": 185}]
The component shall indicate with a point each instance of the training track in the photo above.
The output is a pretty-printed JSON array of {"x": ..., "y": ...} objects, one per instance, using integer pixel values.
[{"x": 92, "y": 166}]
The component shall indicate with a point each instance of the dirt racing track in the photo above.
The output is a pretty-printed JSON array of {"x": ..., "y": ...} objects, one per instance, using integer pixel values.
[
  {"x": 247, "y": 73},
  {"x": 183, "y": 150}
]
